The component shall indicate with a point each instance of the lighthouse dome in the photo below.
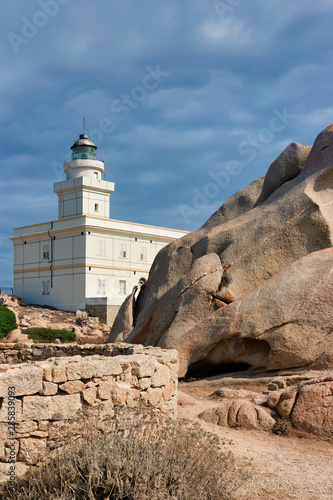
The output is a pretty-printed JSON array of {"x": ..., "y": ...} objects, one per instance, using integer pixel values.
[{"x": 83, "y": 148}]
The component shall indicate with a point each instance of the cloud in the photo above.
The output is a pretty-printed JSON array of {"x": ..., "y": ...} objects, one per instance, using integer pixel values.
[
  {"x": 162, "y": 137},
  {"x": 320, "y": 118},
  {"x": 32, "y": 202},
  {"x": 229, "y": 34},
  {"x": 225, "y": 77},
  {"x": 155, "y": 177}
]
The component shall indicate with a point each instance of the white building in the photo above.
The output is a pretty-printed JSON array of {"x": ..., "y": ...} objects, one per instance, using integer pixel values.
[{"x": 84, "y": 260}]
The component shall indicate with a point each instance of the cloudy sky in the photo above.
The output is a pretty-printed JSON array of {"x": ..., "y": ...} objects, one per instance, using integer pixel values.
[{"x": 187, "y": 100}]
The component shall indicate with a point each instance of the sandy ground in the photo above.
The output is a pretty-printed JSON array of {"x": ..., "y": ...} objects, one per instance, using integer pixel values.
[{"x": 282, "y": 467}]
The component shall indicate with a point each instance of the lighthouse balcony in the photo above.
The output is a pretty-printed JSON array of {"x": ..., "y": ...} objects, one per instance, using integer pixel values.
[
  {"x": 83, "y": 156},
  {"x": 84, "y": 168},
  {"x": 83, "y": 163}
]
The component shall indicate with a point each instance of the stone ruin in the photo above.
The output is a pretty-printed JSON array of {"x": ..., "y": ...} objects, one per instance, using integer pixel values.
[{"x": 49, "y": 392}]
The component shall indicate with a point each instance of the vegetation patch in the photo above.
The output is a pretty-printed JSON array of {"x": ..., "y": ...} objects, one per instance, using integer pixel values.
[
  {"x": 7, "y": 321},
  {"x": 49, "y": 335},
  {"x": 143, "y": 456},
  {"x": 282, "y": 427}
]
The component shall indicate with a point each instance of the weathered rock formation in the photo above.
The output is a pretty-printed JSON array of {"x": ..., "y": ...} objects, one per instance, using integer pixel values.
[
  {"x": 309, "y": 407},
  {"x": 305, "y": 407},
  {"x": 254, "y": 284},
  {"x": 239, "y": 413}
]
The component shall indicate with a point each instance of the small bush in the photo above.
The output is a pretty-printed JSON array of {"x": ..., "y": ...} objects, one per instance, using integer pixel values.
[
  {"x": 282, "y": 427},
  {"x": 49, "y": 335},
  {"x": 7, "y": 321},
  {"x": 143, "y": 457}
]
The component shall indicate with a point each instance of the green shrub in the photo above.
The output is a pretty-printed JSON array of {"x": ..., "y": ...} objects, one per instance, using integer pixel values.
[
  {"x": 49, "y": 335},
  {"x": 7, "y": 321},
  {"x": 142, "y": 457}
]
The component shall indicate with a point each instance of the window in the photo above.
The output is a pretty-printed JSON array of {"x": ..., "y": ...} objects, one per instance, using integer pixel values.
[
  {"x": 96, "y": 207},
  {"x": 122, "y": 287},
  {"x": 122, "y": 250},
  {"x": 101, "y": 248},
  {"x": 96, "y": 175},
  {"x": 46, "y": 287},
  {"x": 46, "y": 252},
  {"x": 101, "y": 285},
  {"x": 143, "y": 253}
]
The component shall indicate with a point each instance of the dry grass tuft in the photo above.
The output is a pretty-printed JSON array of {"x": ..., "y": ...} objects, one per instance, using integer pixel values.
[
  {"x": 143, "y": 456},
  {"x": 282, "y": 427}
]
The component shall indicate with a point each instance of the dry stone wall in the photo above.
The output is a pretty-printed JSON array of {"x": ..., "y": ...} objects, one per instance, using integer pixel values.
[{"x": 48, "y": 393}]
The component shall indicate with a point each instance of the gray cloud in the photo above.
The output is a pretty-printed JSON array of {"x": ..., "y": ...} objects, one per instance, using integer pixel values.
[{"x": 227, "y": 73}]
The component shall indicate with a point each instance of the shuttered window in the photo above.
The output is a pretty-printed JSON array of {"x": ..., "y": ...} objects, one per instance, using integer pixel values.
[
  {"x": 46, "y": 252},
  {"x": 122, "y": 287},
  {"x": 143, "y": 253},
  {"x": 46, "y": 287},
  {"x": 101, "y": 248},
  {"x": 101, "y": 285},
  {"x": 122, "y": 250}
]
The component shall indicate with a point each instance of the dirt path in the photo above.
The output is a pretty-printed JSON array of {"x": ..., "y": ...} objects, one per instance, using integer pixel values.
[{"x": 282, "y": 467}]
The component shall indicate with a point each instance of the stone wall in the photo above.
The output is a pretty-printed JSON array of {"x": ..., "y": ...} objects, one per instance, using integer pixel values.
[
  {"x": 48, "y": 393},
  {"x": 105, "y": 312}
]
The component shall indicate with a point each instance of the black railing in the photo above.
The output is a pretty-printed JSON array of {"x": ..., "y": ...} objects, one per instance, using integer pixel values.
[{"x": 7, "y": 288}]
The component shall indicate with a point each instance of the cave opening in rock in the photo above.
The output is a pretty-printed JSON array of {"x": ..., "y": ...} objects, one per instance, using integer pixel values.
[{"x": 201, "y": 369}]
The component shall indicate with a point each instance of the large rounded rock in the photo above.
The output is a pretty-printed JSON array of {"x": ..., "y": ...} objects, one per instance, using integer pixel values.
[
  {"x": 252, "y": 285},
  {"x": 313, "y": 411},
  {"x": 286, "y": 322},
  {"x": 239, "y": 413},
  {"x": 287, "y": 166}
]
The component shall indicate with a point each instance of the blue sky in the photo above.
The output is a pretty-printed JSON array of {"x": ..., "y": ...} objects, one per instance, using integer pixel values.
[{"x": 188, "y": 100}]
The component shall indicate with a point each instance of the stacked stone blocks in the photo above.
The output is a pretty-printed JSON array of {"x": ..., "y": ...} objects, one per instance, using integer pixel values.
[{"x": 44, "y": 402}]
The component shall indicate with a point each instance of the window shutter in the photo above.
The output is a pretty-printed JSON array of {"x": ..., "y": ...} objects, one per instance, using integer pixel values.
[
  {"x": 101, "y": 250},
  {"x": 46, "y": 251},
  {"x": 123, "y": 250},
  {"x": 122, "y": 287},
  {"x": 143, "y": 253},
  {"x": 101, "y": 286}
]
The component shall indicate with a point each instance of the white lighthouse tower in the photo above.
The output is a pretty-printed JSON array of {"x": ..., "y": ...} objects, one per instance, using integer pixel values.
[{"x": 84, "y": 192}]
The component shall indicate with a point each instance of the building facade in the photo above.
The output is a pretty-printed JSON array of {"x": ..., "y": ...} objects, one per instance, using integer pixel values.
[{"x": 84, "y": 260}]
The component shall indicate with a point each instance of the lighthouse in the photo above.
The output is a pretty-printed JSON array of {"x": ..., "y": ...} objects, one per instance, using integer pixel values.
[
  {"x": 84, "y": 192},
  {"x": 85, "y": 259}
]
